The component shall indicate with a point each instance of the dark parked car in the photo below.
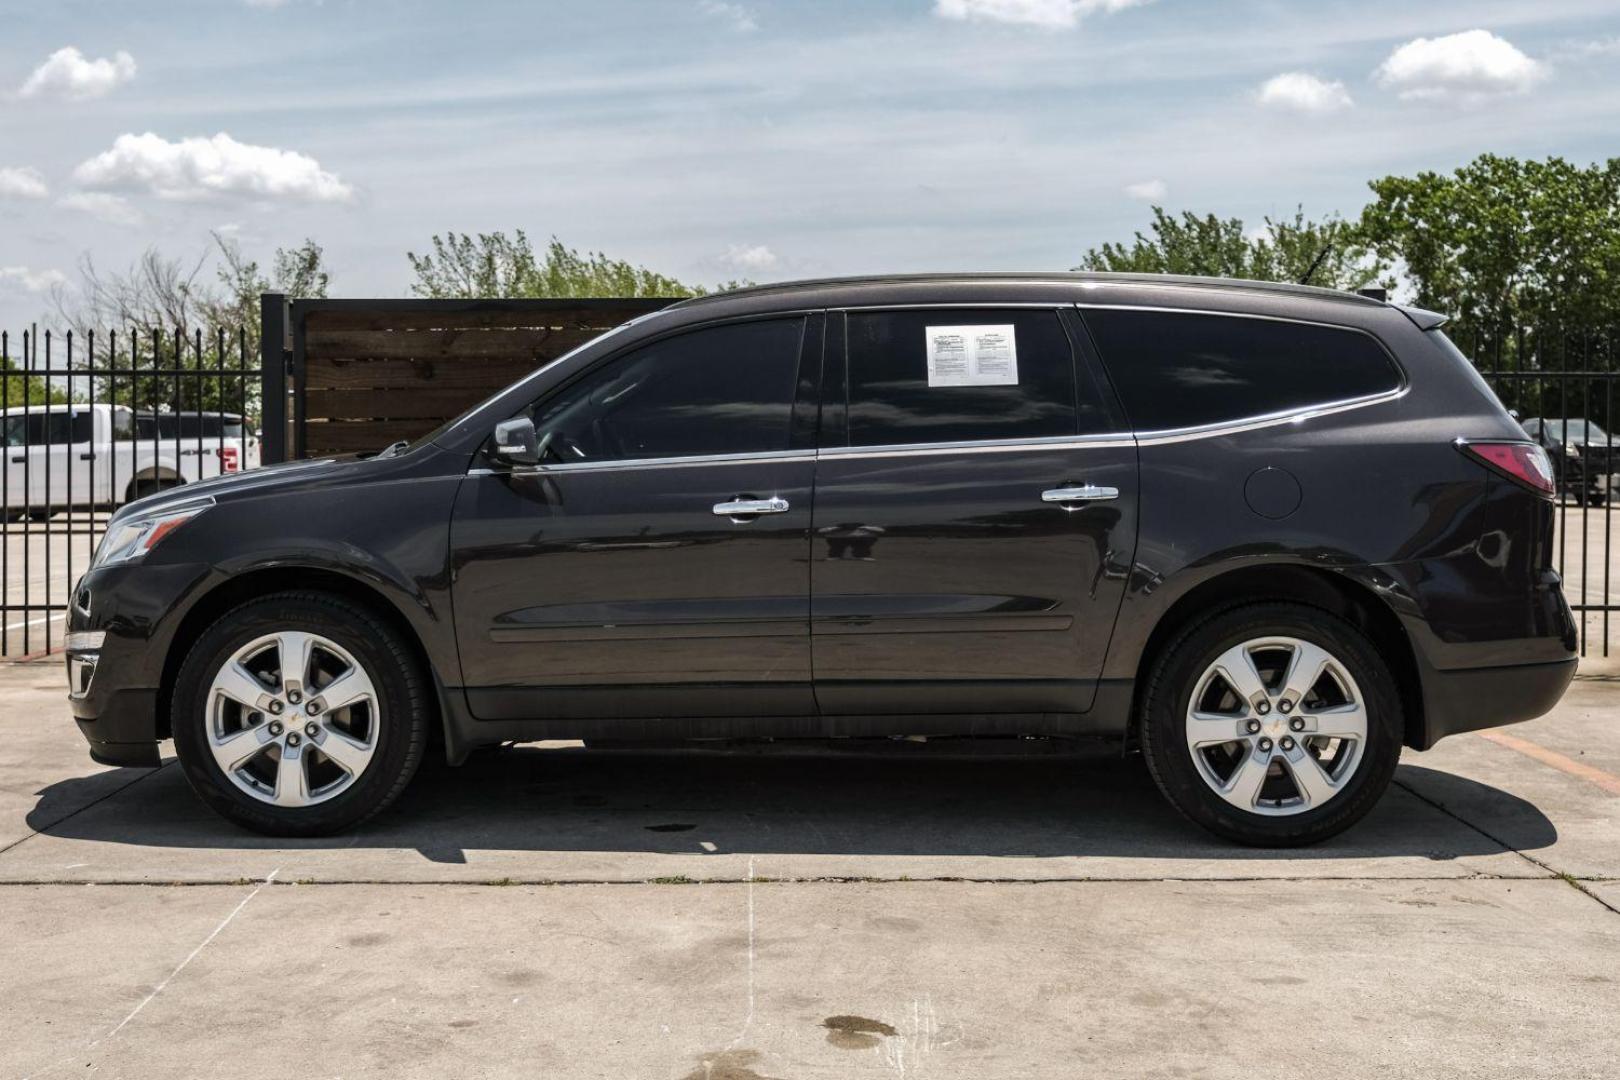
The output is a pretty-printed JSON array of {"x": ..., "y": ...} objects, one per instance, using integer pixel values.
[
  {"x": 1265, "y": 534},
  {"x": 1581, "y": 454}
]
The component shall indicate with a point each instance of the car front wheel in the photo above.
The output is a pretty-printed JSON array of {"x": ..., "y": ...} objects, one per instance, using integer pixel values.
[
  {"x": 299, "y": 714},
  {"x": 1274, "y": 724}
]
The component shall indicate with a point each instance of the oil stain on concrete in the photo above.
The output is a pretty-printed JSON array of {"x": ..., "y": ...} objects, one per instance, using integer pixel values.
[
  {"x": 728, "y": 1065},
  {"x": 856, "y": 1032}
]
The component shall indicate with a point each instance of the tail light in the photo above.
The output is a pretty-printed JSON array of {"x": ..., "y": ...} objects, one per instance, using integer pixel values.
[
  {"x": 228, "y": 459},
  {"x": 1524, "y": 462}
]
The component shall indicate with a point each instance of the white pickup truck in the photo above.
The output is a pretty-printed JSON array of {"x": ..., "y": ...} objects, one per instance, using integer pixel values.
[{"x": 98, "y": 455}]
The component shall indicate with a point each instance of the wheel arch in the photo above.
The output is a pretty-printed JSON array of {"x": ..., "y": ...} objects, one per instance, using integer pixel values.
[
  {"x": 1335, "y": 593},
  {"x": 253, "y": 584},
  {"x": 163, "y": 474}
]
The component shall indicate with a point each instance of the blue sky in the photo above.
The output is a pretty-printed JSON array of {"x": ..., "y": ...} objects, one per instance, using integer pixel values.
[{"x": 713, "y": 139}]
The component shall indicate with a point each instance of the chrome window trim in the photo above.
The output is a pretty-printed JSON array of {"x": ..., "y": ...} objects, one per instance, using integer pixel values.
[
  {"x": 648, "y": 463},
  {"x": 1100, "y": 440},
  {"x": 980, "y": 446},
  {"x": 1255, "y": 423},
  {"x": 1110, "y": 439}
]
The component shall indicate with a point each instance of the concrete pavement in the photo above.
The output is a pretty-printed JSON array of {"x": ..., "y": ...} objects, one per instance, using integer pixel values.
[{"x": 562, "y": 912}]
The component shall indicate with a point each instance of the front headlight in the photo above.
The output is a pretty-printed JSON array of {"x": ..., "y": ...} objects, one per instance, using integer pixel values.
[{"x": 130, "y": 540}]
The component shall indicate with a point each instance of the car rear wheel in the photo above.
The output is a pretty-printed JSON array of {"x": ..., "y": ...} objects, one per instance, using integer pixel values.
[
  {"x": 299, "y": 714},
  {"x": 1273, "y": 724}
]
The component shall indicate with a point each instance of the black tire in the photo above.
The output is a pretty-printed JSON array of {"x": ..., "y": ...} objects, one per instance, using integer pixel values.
[
  {"x": 142, "y": 487},
  {"x": 1176, "y": 674},
  {"x": 404, "y": 704}
]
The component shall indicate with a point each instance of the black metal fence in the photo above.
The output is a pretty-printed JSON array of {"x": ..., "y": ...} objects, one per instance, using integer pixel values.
[
  {"x": 1559, "y": 382},
  {"x": 90, "y": 422}
]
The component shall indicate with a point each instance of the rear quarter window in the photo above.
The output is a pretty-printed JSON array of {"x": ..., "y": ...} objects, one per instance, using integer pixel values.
[{"x": 1174, "y": 370}]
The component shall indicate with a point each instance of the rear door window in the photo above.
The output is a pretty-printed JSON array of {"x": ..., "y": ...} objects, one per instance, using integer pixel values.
[
  {"x": 899, "y": 391},
  {"x": 1181, "y": 370}
]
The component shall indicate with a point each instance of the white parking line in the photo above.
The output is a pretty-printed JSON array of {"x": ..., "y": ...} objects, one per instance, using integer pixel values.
[{"x": 35, "y": 621}]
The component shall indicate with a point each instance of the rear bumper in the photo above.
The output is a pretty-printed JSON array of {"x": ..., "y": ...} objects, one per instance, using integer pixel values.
[{"x": 1473, "y": 698}]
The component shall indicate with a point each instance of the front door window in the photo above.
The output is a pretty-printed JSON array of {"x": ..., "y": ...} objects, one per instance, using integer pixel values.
[{"x": 722, "y": 390}]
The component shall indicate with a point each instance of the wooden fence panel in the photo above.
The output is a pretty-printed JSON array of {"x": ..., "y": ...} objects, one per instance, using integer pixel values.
[{"x": 375, "y": 372}]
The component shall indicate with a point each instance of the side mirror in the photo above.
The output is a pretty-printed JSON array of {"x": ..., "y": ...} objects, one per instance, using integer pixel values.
[{"x": 515, "y": 442}]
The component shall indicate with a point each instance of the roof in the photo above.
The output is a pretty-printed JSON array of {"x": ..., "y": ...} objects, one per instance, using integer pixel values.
[{"x": 1070, "y": 278}]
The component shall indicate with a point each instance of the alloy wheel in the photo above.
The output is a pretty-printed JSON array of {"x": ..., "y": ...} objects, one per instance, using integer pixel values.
[
  {"x": 1276, "y": 726},
  {"x": 292, "y": 719}
]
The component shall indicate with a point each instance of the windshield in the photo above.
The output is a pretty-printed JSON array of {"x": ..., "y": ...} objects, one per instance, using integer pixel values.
[{"x": 1576, "y": 431}]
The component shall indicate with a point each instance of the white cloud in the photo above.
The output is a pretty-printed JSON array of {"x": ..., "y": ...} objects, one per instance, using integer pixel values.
[
  {"x": 1469, "y": 66},
  {"x": 68, "y": 73},
  {"x": 1303, "y": 92},
  {"x": 741, "y": 18},
  {"x": 751, "y": 258},
  {"x": 22, "y": 184},
  {"x": 113, "y": 209},
  {"x": 1062, "y": 14},
  {"x": 1150, "y": 190},
  {"x": 34, "y": 281},
  {"x": 199, "y": 168}
]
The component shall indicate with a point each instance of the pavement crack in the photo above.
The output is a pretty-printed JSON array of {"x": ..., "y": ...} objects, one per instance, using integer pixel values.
[
  {"x": 1568, "y": 879},
  {"x": 160, "y": 987}
]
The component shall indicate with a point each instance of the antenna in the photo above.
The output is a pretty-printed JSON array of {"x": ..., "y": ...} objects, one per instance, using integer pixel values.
[{"x": 1317, "y": 265}]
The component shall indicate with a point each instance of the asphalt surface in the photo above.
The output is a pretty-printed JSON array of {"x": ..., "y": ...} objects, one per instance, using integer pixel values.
[{"x": 557, "y": 911}]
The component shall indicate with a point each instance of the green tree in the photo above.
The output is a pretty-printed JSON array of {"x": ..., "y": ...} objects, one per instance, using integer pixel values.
[
  {"x": 1328, "y": 252},
  {"x": 1503, "y": 245},
  {"x": 497, "y": 265},
  {"x": 22, "y": 389}
]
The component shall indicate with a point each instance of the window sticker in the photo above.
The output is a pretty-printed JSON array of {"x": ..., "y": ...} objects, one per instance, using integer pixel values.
[{"x": 972, "y": 355}]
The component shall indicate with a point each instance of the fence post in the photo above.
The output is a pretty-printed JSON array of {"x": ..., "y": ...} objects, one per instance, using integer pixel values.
[{"x": 274, "y": 324}]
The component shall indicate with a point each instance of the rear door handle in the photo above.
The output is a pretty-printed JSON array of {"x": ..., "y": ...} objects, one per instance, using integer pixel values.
[
  {"x": 1078, "y": 493},
  {"x": 750, "y": 507}
]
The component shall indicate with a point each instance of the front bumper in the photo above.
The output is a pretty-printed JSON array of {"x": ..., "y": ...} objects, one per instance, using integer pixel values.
[
  {"x": 121, "y": 730},
  {"x": 116, "y": 705}
]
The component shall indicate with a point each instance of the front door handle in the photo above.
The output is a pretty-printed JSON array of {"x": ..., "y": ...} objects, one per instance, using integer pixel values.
[
  {"x": 1078, "y": 493},
  {"x": 738, "y": 508}
]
